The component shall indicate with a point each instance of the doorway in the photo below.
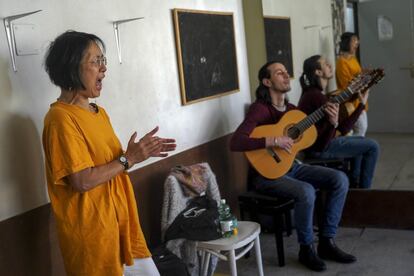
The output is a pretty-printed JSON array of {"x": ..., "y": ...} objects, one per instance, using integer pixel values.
[{"x": 387, "y": 40}]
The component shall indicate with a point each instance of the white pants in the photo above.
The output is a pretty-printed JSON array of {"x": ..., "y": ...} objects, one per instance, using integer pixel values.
[
  {"x": 361, "y": 125},
  {"x": 141, "y": 267}
]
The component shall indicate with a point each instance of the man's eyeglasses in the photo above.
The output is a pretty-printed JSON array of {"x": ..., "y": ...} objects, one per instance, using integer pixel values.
[{"x": 99, "y": 61}]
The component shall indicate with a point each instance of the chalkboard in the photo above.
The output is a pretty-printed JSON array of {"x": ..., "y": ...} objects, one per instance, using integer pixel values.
[
  {"x": 278, "y": 41},
  {"x": 206, "y": 53}
]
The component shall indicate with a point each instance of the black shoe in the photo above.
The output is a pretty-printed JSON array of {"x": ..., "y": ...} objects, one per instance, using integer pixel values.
[
  {"x": 309, "y": 258},
  {"x": 328, "y": 250}
]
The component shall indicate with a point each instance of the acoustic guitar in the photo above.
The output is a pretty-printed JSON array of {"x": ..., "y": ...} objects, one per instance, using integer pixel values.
[
  {"x": 274, "y": 162},
  {"x": 346, "y": 108}
]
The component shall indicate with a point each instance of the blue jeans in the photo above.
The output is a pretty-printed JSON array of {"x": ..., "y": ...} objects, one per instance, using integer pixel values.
[
  {"x": 300, "y": 184},
  {"x": 364, "y": 151}
]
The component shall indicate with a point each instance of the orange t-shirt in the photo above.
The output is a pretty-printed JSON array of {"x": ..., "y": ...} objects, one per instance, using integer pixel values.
[
  {"x": 347, "y": 68},
  {"x": 98, "y": 230}
]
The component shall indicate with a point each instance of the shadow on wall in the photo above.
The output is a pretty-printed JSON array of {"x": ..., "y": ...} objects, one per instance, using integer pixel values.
[
  {"x": 24, "y": 163},
  {"x": 27, "y": 248},
  {"x": 21, "y": 158},
  {"x": 24, "y": 239},
  {"x": 5, "y": 84}
]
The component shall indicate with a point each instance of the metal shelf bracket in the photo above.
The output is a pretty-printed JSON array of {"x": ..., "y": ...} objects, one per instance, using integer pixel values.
[
  {"x": 8, "y": 25},
  {"x": 118, "y": 34}
]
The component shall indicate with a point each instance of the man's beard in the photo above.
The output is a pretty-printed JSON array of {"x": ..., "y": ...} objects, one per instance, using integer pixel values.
[{"x": 284, "y": 90}]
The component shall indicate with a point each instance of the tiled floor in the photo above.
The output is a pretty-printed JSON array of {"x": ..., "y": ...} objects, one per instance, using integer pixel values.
[
  {"x": 395, "y": 167},
  {"x": 380, "y": 252}
]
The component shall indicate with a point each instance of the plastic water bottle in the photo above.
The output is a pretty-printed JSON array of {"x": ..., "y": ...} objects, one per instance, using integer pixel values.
[
  {"x": 228, "y": 222},
  {"x": 225, "y": 219},
  {"x": 235, "y": 231}
]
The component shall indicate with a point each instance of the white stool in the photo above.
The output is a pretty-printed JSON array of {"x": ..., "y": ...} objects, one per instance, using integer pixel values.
[{"x": 248, "y": 235}]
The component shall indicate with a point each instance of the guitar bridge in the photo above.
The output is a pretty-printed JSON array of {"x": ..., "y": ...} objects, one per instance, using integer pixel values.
[{"x": 273, "y": 153}]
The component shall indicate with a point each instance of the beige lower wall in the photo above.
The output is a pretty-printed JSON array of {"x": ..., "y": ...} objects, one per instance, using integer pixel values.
[
  {"x": 28, "y": 242},
  {"x": 29, "y": 246}
]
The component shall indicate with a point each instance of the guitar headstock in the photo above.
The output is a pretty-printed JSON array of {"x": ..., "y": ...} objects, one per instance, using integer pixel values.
[
  {"x": 377, "y": 75},
  {"x": 365, "y": 80}
]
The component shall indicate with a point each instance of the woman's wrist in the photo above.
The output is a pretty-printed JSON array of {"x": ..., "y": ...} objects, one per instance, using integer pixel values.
[
  {"x": 130, "y": 159},
  {"x": 123, "y": 160},
  {"x": 275, "y": 142}
]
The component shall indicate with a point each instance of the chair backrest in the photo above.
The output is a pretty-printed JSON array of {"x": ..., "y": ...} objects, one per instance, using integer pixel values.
[{"x": 175, "y": 199}]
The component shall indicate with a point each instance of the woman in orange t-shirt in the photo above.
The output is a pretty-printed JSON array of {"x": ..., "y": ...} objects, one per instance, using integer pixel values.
[
  {"x": 348, "y": 67},
  {"x": 90, "y": 191}
]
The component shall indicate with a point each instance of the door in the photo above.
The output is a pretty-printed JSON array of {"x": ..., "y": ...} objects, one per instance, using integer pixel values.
[{"x": 390, "y": 102}]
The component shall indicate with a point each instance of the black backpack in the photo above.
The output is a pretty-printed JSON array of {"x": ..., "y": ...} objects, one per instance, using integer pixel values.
[
  {"x": 167, "y": 263},
  {"x": 199, "y": 221}
]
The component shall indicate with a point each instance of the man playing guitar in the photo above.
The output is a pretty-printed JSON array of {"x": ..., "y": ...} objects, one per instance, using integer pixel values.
[
  {"x": 302, "y": 180},
  {"x": 364, "y": 151}
]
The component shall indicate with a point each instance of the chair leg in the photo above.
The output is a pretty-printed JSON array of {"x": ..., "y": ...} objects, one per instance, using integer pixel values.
[
  {"x": 258, "y": 255},
  {"x": 243, "y": 217},
  {"x": 203, "y": 257},
  {"x": 232, "y": 263},
  {"x": 288, "y": 222},
  {"x": 279, "y": 239},
  {"x": 206, "y": 263}
]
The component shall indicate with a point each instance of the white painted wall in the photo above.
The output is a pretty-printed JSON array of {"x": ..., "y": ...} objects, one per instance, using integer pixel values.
[
  {"x": 311, "y": 28},
  {"x": 139, "y": 94}
]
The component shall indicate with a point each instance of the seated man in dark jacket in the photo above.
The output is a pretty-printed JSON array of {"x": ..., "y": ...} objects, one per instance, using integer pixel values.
[{"x": 314, "y": 80}]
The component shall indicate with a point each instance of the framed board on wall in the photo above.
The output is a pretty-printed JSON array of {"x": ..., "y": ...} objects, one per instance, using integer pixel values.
[
  {"x": 279, "y": 41},
  {"x": 206, "y": 53}
]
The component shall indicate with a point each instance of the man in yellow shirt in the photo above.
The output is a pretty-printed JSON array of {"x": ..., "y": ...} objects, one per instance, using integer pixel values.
[{"x": 90, "y": 192}]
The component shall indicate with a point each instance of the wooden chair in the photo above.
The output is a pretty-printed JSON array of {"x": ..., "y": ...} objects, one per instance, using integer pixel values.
[
  {"x": 255, "y": 203},
  {"x": 342, "y": 164}
]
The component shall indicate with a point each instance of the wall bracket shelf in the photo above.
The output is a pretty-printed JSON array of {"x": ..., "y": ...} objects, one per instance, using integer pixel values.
[
  {"x": 118, "y": 34},
  {"x": 8, "y": 25}
]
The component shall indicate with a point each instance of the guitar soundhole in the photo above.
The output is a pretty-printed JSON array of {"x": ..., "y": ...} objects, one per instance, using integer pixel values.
[{"x": 293, "y": 133}]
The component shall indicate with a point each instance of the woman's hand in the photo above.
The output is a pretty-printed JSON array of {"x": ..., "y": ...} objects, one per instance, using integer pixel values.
[
  {"x": 363, "y": 97},
  {"x": 332, "y": 110},
  {"x": 148, "y": 146}
]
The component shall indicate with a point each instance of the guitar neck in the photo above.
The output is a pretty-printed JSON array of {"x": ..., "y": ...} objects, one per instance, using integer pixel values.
[
  {"x": 318, "y": 114},
  {"x": 343, "y": 96}
]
